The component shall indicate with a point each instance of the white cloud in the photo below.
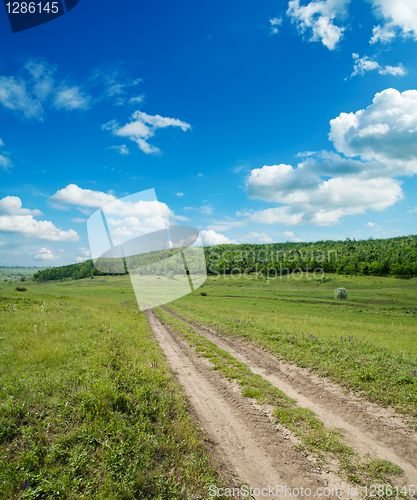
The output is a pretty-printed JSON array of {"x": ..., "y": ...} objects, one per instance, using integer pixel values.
[
  {"x": 371, "y": 224},
  {"x": 26, "y": 225},
  {"x": 297, "y": 240},
  {"x": 399, "y": 15},
  {"x": 117, "y": 85},
  {"x": 5, "y": 161},
  {"x": 45, "y": 254},
  {"x": 74, "y": 195},
  {"x": 382, "y": 34},
  {"x": 211, "y": 238},
  {"x": 36, "y": 86},
  {"x": 12, "y": 205},
  {"x": 179, "y": 194},
  {"x": 309, "y": 199},
  {"x": 79, "y": 220},
  {"x": 70, "y": 98},
  {"x": 139, "y": 209},
  {"x": 42, "y": 77},
  {"x": 288, "y": 234},
  {"x": 136, "y": 100},
  {"x": 84, "y": 254},
  {"x": 393, "y": 70},
  {"x": 122, "y": 149},
  {"x": 143, "y": 127},
  {"x": 316, "y": 18},
  {"x": 364, "y": 64},
  {"x": 385, "y": 131},
  {"x": 275, "y": 22},
  {"x": 15, "y": 97},
  {"x": 379, "y": 144},
  {"x": 206, "y": 209},
  {"x": 262, "y": 237}
]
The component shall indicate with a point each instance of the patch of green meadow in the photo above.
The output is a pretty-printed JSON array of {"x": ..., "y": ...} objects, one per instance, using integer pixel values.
[
  {"x": 300, "y": 321},
  {"x": 325, "y": 443},
  {"x": 88, "y": 407}
]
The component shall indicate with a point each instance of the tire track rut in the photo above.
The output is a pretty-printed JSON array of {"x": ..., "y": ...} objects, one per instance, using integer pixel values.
[
  {"x": 366, "y": 427},
  {"x": 244, "y": 437}
]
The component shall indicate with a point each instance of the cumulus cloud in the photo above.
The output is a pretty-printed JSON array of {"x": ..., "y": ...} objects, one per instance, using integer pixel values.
[
  {"x": 307, "y": 198},
  {"x": 375, "y": 145},
  {"x": 400, "y": 16},
  {"x": 139, "y": 209},
  {"x": 385, "y": 131},
  {"x": 26, "y": 225},
  {"x": 180, "y": 194},
  {"x": 143, "y": 127},
  {"x": 288, "y": 234},
  {"x": 45, "y": 254},
  {"x": 12, "y": 205},
  {"x": 74, "y": 195},
  {"x": 211, "y": 238},
  {"x": 364, "y": 64},
  {"x": 316, "y": 18}
]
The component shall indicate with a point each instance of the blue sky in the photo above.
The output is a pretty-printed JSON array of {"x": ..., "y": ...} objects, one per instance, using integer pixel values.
[{"x": 279, "y": 121}]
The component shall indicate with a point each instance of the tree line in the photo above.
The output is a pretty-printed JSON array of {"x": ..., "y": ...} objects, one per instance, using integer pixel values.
[{"x": 375, "y": 257}]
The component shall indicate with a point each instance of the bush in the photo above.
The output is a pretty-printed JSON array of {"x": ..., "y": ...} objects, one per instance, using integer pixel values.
[
  {"x": 204, "y": 294},
  {"x": 21, "y": 289},
  {"x": 341, "y": 293}
]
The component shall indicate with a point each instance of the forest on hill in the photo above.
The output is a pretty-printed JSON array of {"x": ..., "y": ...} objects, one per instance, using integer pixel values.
[{"x": 393, "y": 256}]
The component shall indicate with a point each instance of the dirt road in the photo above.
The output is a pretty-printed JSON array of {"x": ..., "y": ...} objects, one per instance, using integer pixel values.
[
  {"x": 367, "y": 428},
  {"x": 247, "y": 444}
]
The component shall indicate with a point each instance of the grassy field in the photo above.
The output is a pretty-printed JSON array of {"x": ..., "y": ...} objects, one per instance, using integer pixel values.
[
  {"x": 367, "y": 342},
  {"x": 325, "y": 443},
  {"x": 88, "y": 408},
  {"x": 15, "y": 273}
]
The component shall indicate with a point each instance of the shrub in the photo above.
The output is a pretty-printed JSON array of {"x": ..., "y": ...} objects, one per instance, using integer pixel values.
[
  {"x": 20, "y": 289},
  {"x": 341, "y": 293},
  {"x": 203, "y": 294}
]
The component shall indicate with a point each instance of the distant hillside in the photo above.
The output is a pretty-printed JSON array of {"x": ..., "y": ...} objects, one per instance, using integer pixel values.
[{"x": 395, "y": 256}]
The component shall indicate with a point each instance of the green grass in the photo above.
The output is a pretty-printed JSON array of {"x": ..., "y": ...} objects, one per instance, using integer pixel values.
[
  {"x": 88, "y": 408},
  {"x": 15, "y": 273},
  {"x": 302, "y": 421},
  {"x": 373, "y": 354}
]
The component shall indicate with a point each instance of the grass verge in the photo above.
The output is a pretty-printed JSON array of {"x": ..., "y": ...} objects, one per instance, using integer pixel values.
[
  {"x": 301, "y": 421},
  {"x": 380, "y": 375},
  {"x": 89, "y": 409}
]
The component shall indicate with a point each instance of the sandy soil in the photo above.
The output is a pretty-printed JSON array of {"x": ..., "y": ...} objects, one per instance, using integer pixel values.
[
  {"x": 367, "y": 427},
  {"x": 244, "y": 441}
]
